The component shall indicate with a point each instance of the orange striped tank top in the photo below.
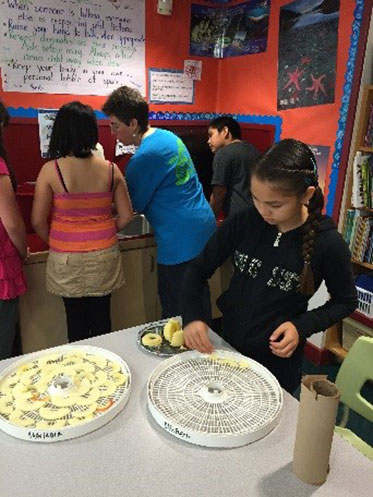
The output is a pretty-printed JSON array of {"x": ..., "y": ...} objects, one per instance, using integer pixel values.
[{"x": 82, "y": 222}]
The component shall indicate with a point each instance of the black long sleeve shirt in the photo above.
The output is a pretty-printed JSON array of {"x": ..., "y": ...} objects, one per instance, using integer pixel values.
[{"x": 263, "y": 291}]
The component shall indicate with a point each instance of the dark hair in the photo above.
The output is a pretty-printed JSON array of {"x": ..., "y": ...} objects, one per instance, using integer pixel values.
[
  {"x": 292, "y": 165},
  {"x": 4, "y": 121},
  {"x": 226, "y": 121},
  {"x": 74, "y": 131},
  {"x": 125, "y": 104}
]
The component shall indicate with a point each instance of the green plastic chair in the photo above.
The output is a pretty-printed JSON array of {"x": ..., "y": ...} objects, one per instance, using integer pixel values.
[{"x": 355, "y": 370}]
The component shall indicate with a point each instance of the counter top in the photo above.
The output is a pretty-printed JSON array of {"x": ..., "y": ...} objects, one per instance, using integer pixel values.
[
  {"x": 132, "y": 456},
  {"x": 126, "y": 243}
]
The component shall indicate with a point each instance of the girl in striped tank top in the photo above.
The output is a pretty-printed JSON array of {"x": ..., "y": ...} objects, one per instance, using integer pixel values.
[{"x": 76, "y": 191}]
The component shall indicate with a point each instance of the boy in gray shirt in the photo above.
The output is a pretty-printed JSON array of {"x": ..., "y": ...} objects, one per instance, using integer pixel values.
[{"x": 231, "y": 166}]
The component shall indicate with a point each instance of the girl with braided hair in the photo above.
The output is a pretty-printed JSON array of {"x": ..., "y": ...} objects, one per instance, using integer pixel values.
[{"x": 282, "y": 249}]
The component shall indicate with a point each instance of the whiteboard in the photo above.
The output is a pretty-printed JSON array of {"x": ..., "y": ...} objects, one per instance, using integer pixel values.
[{"x": 84, "y": 47}]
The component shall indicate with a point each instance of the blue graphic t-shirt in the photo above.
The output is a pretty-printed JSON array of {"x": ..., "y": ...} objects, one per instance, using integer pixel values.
[{"x": 163, "y": 184}]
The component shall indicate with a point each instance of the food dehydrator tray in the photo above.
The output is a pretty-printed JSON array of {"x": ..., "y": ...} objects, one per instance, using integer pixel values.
[
  {"x": 219, "y": 400},
  {"x": 62, "y": 393}
]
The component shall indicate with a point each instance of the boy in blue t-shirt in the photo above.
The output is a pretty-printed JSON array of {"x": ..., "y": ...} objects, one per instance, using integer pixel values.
[{"x": 164, "y": 185}]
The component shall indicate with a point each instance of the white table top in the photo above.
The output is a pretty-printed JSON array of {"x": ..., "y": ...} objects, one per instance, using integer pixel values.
[{"x": 132, "y": 456}]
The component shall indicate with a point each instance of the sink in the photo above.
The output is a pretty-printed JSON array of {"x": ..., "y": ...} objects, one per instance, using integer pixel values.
[{"x": 137, "y": 227}]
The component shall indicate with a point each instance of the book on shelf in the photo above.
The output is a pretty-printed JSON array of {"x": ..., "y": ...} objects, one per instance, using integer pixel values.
[
  {"x": 356, "y": 241},
  {"x": 362, "y": 181},
  {"x": 358, "y": 233},
  {"x": 368, "y": 138},
  {"x": 368, "y": 256},
  {"x": 347, "y": 228}
]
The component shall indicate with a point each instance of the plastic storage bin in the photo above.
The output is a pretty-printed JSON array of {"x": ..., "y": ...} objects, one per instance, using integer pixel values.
[
  {"x": 365, "y": 302},
  {"x": 352, "y": 330}
]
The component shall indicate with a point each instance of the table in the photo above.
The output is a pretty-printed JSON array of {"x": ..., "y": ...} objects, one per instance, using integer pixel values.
[{"x": 132, "y": 456}]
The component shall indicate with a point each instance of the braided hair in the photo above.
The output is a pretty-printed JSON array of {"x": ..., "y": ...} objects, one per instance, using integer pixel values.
[
  {"x": 292, "y": 164},
  {"x": 4, "y": 121}
]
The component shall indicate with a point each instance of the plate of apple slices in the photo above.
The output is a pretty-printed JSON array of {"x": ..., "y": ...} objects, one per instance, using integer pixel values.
[{"x": 162, "y": 338}]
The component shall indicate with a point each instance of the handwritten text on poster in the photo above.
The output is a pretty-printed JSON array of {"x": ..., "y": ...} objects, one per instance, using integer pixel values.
[{"x": 72, "y": 46}]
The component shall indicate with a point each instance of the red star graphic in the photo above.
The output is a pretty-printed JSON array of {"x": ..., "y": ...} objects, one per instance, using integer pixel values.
[
  {"x": 293, "y": 78},
  {"x": 317, "y": 85},
  {"x": 305, "y": 60}
]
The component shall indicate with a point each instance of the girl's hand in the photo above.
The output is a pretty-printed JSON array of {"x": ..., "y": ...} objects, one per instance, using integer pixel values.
[
  {"x": 196, "y": 337},
  {"x": 289, "y": 342}
]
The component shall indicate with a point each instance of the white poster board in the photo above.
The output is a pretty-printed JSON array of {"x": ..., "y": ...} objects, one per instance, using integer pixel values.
[
  {"x": 72, "y": 46},
  {"x": 170, "y": 86},
  {"x": 121, "y": 149},
  {"x": 46, "y": 119}
]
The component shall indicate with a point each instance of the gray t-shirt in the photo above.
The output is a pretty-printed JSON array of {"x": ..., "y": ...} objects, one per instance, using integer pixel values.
[{"x": 231, "y": 168}]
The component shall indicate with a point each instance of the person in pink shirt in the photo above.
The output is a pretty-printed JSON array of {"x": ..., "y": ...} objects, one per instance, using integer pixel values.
[{"x": 13, "y": 249}]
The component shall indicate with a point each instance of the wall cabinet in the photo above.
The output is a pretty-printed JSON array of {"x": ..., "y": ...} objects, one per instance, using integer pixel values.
[
  {"x": 42, "y": 315},
  {"x": 136, "y": 302}
]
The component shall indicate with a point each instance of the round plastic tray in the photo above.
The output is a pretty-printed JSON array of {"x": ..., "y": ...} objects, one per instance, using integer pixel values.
[
  {"x": 62, "y": 393},
  {"x": 218, "y": 400}
]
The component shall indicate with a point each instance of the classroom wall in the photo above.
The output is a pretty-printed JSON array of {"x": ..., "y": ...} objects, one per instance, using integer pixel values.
[{"x": 244, "y": 85}]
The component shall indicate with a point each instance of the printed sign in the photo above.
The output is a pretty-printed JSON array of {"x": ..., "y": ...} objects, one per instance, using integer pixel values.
[{"x": 170, "y": 86}]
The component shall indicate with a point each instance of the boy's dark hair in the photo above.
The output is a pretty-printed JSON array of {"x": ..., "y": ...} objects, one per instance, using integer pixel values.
[
  {"x": 226, "y": 121},
  {"x": 4, "y": 121},
  {"x": 126, "y": 103},
  {"x": 74, "y": 131},
  {"x": 292, "y": 165}
]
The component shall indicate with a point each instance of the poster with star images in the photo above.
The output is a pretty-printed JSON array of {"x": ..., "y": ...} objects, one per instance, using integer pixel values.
[{"x": 307, "y": 53}]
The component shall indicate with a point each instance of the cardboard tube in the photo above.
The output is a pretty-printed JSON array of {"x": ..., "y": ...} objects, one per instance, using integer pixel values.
[{"x": 315, "y": 427}]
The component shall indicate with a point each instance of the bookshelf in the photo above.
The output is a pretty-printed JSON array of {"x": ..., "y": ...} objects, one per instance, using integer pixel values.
[
  {"x": 362, "y": 127},
  {"x": 364, "y": 145},
  {"x": 359, "y": 186},
  {"x": 362, "y": 264},
  {"x": 366, "y": 149}
]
